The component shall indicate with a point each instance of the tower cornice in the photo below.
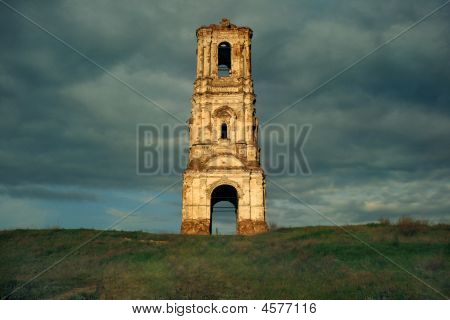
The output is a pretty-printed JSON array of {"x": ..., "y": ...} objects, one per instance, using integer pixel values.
[{"x": 224, "y": 25}]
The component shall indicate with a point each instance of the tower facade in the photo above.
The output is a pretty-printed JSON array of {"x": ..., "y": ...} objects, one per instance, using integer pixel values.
[{"x": 224, "y": 155}]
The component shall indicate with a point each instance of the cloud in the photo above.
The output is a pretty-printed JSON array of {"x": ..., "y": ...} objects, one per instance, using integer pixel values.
[
  {"x": 358, "y": 202},
  {"x": 41, "y": 192},
  {"x": 382, "y": 125}
]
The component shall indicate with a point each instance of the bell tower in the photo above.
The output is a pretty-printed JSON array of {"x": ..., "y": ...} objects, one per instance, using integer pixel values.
[{"x": 224, "y": 162}]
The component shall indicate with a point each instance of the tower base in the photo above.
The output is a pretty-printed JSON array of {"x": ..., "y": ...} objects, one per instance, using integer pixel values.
[
  {"x": 195, "y": 227},
  {"x": 251, "y": 227},
  {"x": 202, "y": 227},
  {"x": 244, "y": 189}
]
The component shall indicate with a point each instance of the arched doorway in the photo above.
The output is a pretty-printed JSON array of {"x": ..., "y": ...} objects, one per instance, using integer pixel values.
[{"x": 224, "y": 209}]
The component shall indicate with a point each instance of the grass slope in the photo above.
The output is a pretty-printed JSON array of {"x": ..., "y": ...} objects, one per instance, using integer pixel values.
[{"x": 296, "y": 263}]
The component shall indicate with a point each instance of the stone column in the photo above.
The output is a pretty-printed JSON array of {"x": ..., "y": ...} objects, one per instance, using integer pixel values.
[
  {"x": 194, "y": 126},
  {"x": 240, "y": 125},
  {"x": 232, "y": 130},
  {"x": 207, "y": 60},
  {"x": 214, "y": 59},
  {"x": 248, "y": 114},
  {"x": 256, "y": 133},
  {"x": 200, "y": 58},
  {"x": 247, "y": 69},
  {"x": 241, "y": 60},
  {"x": 207, "y": 134}
]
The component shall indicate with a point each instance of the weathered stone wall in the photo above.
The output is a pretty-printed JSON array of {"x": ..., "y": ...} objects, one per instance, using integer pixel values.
[{"x": 234, "y": 160}]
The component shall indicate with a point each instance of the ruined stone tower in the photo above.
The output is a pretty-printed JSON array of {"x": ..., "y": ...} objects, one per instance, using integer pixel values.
[{"x": 224, "y": 153}]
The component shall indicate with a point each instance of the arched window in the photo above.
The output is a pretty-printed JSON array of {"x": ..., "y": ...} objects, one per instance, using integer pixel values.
[
  {"x": 224, "y": 131},
  {"x": 224, "y": 59}
]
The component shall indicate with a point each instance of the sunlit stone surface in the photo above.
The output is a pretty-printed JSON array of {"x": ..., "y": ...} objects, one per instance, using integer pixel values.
[{"x": 224, "y": 153}]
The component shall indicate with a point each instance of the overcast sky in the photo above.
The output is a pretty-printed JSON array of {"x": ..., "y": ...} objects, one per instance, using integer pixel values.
[{"x": 380, "y": 139}]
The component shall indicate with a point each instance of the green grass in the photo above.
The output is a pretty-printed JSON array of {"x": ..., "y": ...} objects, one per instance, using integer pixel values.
[{"x": 294, "y": 263}]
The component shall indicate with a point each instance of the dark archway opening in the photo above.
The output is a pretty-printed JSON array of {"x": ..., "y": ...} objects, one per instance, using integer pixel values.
[
  {"x": 224, "y": 59},
  {"x": 224, "y": 206}
]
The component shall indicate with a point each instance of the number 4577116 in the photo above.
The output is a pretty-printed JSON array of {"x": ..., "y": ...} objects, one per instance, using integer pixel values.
[{"x": 287, "y": 307}]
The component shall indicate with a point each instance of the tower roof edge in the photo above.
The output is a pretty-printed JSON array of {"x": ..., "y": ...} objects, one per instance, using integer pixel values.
[{"x": 224, "y": 24}]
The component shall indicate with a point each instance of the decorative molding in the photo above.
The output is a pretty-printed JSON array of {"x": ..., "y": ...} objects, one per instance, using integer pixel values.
[{"x": 225, "y": 181}]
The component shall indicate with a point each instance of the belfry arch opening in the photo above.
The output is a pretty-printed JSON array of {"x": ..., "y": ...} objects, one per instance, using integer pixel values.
[
  {"x": 224, "y": 210},
  {"x": 224, "y": 59}
]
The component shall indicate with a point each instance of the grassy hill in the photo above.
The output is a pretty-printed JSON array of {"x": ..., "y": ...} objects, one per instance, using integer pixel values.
[{"x": 294, "y": 263}]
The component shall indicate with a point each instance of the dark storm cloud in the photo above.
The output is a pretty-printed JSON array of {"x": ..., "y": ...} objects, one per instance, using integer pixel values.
[
  {"x": 40, "y": 192},
  {"x": 381, "y": 126},
  {"x": 75, "y": 125}
]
